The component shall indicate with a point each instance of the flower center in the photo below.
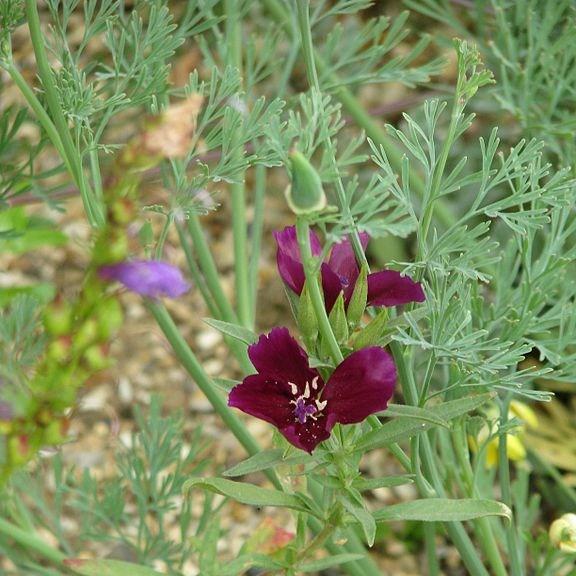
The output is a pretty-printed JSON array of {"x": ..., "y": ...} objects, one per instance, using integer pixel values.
[{"x": 302, "y": 409}]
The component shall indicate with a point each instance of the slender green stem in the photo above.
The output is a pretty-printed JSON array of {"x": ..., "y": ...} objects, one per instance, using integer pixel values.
[
  {"x": 353, "y": 107},
  {"x": 310, "y": 271},
  {"x": 431, "y": 552},
  {"x": 456, "y": 530},
  {"x": 93, "y": 210},
  {"x": 38, "y": 109},
  {"x": 308, "y": 50},
  {"x": 256, "y": 235},
  {"x": 209, "y": 269},
  {"x": 31, "y": 542},
  {"x": 196, "y": 274},
  {"x": 516, "y": 568},
  {"x": 482, "y": 525},
  {"x": 239, "y": 225},
  {"x": 162, "y": 238}
]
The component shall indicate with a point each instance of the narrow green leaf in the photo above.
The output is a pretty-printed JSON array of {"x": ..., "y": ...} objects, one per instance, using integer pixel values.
[
  {"x": 416, "y": 413},
  {"x": 328, "y": 562},
  {"x": 366, "y": 520},
  {"x": 443, "y": 510},
  {"x": 243, "y": 564},
  {"x": 403, "y": 428},
  {"x": 108, "y": 568},
  {"x": 233, "y": 330},
  {"x": 363, "y": 484},
  {"x": 264, "y": 460},
  {"x": 246, "y": 493}
]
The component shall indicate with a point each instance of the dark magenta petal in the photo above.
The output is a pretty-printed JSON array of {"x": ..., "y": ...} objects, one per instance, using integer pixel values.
[
  {"x": 342, "y": 260},
  {"x": 279, "y": 357},
  {"x": 264, "y": 398},
  {"x": 390, "y": 288},
  {"x": 152, "y": 278},
  {"x": 331, "y": 286},
  {"x": 306, "y": 436},
  {"x": 361, "y": 385},
  {"x": 288, "y": 257}
]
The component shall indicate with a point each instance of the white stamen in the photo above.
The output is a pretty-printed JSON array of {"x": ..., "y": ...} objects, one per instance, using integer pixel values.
[
  {"x": 293, "y": 388},
  {"x": 321, "y": 404},
  {"x": 315, "y": 383},
  {"x": 306, "y": 391}
]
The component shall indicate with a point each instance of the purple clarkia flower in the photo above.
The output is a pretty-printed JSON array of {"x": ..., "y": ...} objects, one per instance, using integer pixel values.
[
  {"x": 340, "y": 273},
  {"x": 292, "y": 396},
  {"x": 152, "y": 278}
]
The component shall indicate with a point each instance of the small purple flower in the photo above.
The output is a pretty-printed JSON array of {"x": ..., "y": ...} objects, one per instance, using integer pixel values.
[
  {"x": 292, "y": 396},
  {"x": 152, "y": 278},
  {"x": 340, "y": 273}
]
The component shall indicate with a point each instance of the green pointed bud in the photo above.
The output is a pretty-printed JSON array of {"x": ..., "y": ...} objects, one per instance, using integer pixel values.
[
  {"x": 307, "y": 321},
  {"x": 338, "y": 320},
  {"x": 96, "y": 358},
  {"x": 374, "y": 333},
  {"x": 357, "y": 304},
  {"x": 306, "y": 194},
  {"x": 86, "y": 335},
  {"x": 58, "y": 318},
  {"x": 109, "y": 318}
]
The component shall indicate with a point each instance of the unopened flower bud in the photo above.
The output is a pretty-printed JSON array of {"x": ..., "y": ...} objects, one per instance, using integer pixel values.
[
  {"x": 88, "y": 334},
  {"x": 563, "y": 533},
  {"x": 109, "y": 318},
  {"x": 58, "y": 318},
  {"x": 306, "y": 194},
  {"x": 97, "y": 358}
]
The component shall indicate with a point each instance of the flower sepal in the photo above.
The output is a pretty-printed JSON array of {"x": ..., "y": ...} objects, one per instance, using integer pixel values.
[
  {"x": 373, "y": 333},
  {"x": 307, "y": 321},
  {"x": 338, "y": 320},
  {"x": 359, "y": 299}
]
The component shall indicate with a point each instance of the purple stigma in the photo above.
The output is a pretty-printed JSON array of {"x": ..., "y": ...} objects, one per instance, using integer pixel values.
[{"x": 302, "y": 410}]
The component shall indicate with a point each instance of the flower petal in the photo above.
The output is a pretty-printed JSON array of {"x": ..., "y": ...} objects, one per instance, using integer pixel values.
[
  {"x": 390, "y": 288},
  {"x": 270, "y": 400},
  {"x": 279, "y": 357},
  {"x": 342, "y": 260},
  {"x": 267, "y": 399},
  {"x": 361, "y": 385},
  {"x": 152, "y": 278},
  {"x": 288, "y": 257},
  {"x": 331, "y": 286},
  {"x": 306, "y": 436}
]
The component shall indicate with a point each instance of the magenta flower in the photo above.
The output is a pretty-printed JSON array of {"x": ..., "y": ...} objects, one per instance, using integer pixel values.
[
  {"x": 152, "y": 278},
  {"x": 340, "y": 273},
  {"x": 292, "y": 396}
]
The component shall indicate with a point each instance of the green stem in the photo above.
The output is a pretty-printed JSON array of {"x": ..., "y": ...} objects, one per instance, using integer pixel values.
[
  {"x": 354, "y": 109},
  {"x": 516, "y": 568},
  {"x": 93, "y": 211},
  {"x": 239, "y": 225},
  {"x": 31, "y": 542},
  {"x": 482, "y": 525},
  {"x": 209, "y": 269},
  {"x": 431, "y": 552},
  {"x": 456, "y": 530},
  {"x": 310, "y": 271},
  {"x": 162, "y": 238},
  {"x": 256, "y": 236},
  {"x": 196, "y": 274},
  {"x": 38, "y": 109}
]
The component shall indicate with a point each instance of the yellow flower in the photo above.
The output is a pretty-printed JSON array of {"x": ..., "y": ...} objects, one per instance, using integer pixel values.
[
  {"x": 514, "y": 441},
  {"x": 563, "y": 533}
]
